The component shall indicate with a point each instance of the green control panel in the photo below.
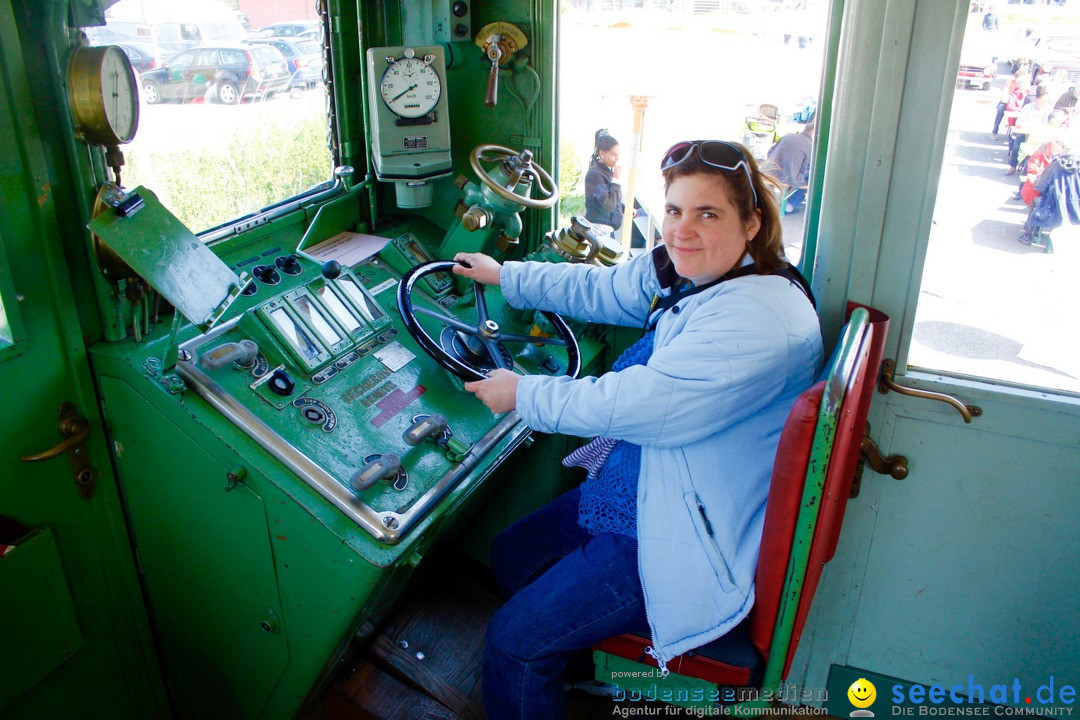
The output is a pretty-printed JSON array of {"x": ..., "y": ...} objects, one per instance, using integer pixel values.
[{"x": 320, "y": 373}]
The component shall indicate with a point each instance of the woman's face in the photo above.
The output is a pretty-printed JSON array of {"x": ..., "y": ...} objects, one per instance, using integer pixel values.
[
  {"x": 610, "y": 157},
  {"x": 702, "y": 230}
]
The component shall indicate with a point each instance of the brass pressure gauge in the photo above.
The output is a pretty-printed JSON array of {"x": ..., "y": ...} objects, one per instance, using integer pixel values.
[{"x": 103, "y": 95}]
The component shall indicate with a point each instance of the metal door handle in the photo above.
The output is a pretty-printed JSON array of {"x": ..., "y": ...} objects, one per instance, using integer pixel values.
[
  {"x": 72, "y": 426},
  {"x": 888, "y": 372}
]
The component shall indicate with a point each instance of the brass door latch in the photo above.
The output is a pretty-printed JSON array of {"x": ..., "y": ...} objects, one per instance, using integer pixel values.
[
  {"x": 895, "y": 466},
  {"x": 76, "y": 430}
]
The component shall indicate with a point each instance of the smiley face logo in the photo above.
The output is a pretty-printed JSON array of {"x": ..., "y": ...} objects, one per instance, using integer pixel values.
[{"x": 862, "y": 694}]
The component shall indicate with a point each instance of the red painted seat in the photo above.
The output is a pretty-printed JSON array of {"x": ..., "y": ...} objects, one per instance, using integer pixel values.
[{"x": 803, "y": 516}]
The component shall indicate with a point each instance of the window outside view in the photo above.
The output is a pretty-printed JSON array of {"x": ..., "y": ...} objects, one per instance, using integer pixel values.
[
  {"x": 742, "y": 70},
  {"x": 233, "y": 107},
  {"x": 999, "y": 289}
]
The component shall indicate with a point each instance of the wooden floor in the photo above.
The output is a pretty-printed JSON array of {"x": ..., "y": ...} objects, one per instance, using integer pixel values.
[{"x": 425, "y": 665}]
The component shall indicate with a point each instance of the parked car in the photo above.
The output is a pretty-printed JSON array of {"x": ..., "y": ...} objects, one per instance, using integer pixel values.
[
  {"x": 304, "y": 59},
  {"x": 978, "y": 64},
  {"x": 225, "y": 73},
  {"x": 1061, "y": 53},
  {"x": 143, "y": 56},
  {"x": 289, "y": 29}
]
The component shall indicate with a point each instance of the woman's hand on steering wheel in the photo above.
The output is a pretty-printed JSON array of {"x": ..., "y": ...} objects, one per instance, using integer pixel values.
[
  {"x": 479, "y": 267},
  {"x": 498, "y": 391}
]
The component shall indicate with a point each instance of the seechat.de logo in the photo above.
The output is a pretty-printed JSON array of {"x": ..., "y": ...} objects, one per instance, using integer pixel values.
[{"x": 862, "y": 694}]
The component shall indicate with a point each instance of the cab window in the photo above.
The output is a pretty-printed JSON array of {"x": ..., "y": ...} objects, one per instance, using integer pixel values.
[
  {"x": 668, "y": 71},
  {"x": 229, "y": 126}
]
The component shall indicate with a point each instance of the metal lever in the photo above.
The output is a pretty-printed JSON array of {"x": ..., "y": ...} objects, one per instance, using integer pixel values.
[
  {"x": 494, "y": 54},
  {"x": 888, "y": 372},
  {"x": 382, "y": 467},
  {"x": 76, "y": 430},
  {"x": 438, "y": 430},
  {"x": 242, "y": 353},
  {"x": 424, "y": 427}
]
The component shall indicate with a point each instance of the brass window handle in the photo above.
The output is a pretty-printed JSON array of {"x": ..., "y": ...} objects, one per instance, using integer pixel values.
[{"x": 888, "y": 373}]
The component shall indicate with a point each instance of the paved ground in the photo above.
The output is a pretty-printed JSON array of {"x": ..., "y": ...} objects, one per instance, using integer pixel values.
[{"x": 990, "y": 306}]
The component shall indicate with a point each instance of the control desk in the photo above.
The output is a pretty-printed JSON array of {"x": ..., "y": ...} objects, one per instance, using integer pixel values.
[{"x": 317, "y": 449}]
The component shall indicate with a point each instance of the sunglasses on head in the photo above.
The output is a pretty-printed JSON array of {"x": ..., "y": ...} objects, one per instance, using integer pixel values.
[{"x": 715, "y": 153}]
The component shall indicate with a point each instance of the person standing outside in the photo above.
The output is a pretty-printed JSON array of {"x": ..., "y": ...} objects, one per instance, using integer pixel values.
[
  {"x": 789, "y": 162},
  {"x": 665, "y": 531},
  {"x": 1032, "y": 117},
  {"x": 603, "y": 189},
  {"x": 1012, "y": 97}
]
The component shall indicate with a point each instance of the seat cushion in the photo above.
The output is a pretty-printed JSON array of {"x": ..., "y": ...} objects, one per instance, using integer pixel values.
[{"x": 730, "y": 660}]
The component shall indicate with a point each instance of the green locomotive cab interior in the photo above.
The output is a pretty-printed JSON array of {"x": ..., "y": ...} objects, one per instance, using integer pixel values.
[
  {"x": 233, "y": 350},
  {"x": 298, "y": 433}
]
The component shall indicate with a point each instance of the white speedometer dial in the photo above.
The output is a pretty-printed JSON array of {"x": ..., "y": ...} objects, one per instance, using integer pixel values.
[{"x": 411, "y": 87}]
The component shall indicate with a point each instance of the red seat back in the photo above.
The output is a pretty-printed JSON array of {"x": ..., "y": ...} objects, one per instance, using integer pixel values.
[
  {"x": 837, "y": 439},
  {"x": 781, "y": 514},
  {"x": 847, "y": 445}
]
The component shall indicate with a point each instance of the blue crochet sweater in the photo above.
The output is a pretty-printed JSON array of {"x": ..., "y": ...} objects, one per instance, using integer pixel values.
[{"x": 609, "y": 498}]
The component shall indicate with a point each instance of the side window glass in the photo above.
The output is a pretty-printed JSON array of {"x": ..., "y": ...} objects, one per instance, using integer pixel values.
[
  {"x": 215, "y": 146},
  {"x": 999, "y": 289},
  {"x": 685, "y": 72},
  {"x": 182, "y": 60}
]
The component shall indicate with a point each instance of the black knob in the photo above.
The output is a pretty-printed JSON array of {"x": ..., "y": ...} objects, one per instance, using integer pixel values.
[
  {"x": 267, "y": 273},
  {"x": 281, "y": 384},
  {"x": 289, "y": 264},
  {"x": 461, "y": 30},
  {"x": 331, "y": 269},
  {"x": 460, "y": 8}
]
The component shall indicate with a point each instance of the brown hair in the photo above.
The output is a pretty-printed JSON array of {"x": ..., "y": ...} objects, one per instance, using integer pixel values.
[{"x": 766, "y": 248}]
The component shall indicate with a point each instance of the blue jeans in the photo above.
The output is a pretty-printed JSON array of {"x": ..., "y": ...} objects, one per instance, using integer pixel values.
[{"x": 568, "y": 590}]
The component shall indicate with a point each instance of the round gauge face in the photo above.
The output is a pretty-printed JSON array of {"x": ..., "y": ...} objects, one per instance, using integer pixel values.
[
  {"x": 411, "y": 88},
  {"x": 104, "y": 96}
]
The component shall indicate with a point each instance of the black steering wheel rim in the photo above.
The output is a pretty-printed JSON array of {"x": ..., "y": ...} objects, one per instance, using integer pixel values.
[{"x": 464, "y": 370}]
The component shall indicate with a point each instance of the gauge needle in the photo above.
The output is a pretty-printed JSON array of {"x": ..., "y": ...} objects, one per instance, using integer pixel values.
[{"x": 403, "y": 93}]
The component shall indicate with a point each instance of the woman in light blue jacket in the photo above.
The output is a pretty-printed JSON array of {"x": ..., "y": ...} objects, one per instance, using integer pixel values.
[{"x": 665, "y": 531}]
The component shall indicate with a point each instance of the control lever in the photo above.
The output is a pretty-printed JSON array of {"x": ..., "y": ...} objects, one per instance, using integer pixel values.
[
  {"x": 331, "y": 269},
  {"x": 438, "y": 430},
  {"x": 289, "y": 264},
  {"x": 494, "y": 54},
  {"x": 381, "y": 468},
  {"x": 242, "y": 353},
  {"x": 425, "y": 426}
]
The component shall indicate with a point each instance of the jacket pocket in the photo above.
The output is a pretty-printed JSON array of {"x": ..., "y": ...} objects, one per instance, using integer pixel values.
[{"x": 707, "y": 539}]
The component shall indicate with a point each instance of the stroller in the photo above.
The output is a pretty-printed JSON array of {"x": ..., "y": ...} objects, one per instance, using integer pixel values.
[{"x": 1058, "y": 201}]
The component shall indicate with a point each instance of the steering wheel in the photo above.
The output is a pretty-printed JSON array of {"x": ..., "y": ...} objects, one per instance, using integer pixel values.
[
  {"x": 518, "y": 167},
  {"x": 470, "y": 351}
]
